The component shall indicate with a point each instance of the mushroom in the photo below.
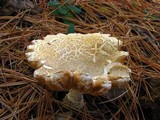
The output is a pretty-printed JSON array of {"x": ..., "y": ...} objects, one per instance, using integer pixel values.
[{"x": 79, "y": 63}]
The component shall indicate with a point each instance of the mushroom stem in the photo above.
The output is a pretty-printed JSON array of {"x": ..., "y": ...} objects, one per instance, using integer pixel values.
[{"x": 74, "y": 98}]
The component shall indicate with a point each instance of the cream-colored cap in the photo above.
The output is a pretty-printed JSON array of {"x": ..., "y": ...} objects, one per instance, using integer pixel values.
[{"x": 83, "y": 53}]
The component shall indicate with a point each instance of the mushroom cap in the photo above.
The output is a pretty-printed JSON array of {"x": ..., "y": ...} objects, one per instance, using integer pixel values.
[
  {"x": 87, "y": 53},
  {"x": 89, "y": 63}
]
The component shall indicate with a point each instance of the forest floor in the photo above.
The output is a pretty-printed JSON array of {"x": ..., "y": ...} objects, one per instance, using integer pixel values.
[{"x": 135, "y": 22}]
